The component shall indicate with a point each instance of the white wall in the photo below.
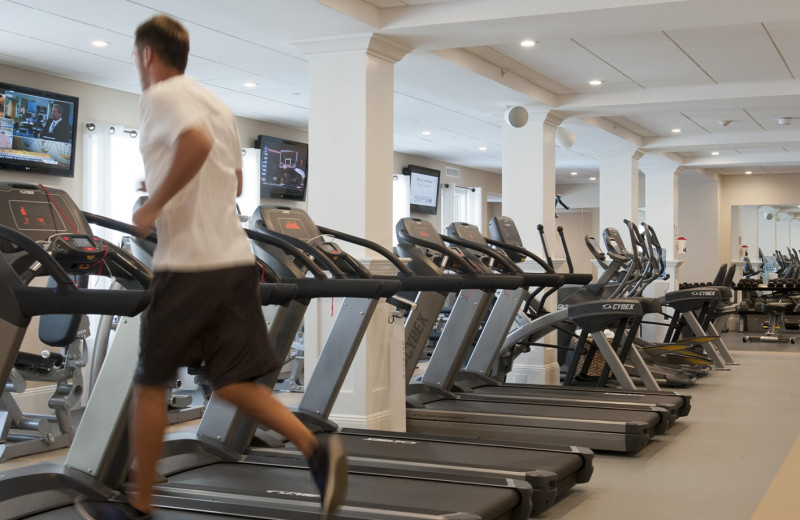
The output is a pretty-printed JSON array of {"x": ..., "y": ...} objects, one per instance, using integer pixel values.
[
  {"x": 576, "y": 224},
  {"x": 580, "y": 195}
]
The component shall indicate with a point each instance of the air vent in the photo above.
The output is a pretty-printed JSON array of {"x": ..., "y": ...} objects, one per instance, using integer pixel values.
[{"x": 452, "y": 172}]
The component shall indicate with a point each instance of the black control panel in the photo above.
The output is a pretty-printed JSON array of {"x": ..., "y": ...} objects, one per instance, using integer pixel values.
[
  {"x": 503, "y": 229},
  {"x": 78, "y": 253},
  {"x": 297, "y": 224}
]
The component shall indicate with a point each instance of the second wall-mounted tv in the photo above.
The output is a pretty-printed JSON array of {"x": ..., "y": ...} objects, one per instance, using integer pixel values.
[
  {"x": 37, "y": 130},
  {"x": 423, "y": 189},
  {"x": 283, "y": 167}
]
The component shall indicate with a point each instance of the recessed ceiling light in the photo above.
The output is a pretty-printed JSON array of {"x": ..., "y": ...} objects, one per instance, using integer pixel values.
[
  {"x": 714, "y": 153},
  {"x": 527, "y": 43},
  {"x": 250, "y": 84},
  {"x": 426, "y": 132},
  {"x": 99, "y": 43},
  {"x": 748, "y": 172},
  {"x": 482, "y": 148},
  {"x": 596, "y": 82},
  {"x": 592, "y": 178},
  {"x": 573, "y": 173},
  {"x": 676, "y": 130}
]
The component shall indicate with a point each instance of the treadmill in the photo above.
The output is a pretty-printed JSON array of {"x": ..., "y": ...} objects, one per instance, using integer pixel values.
[
  {"x": 433, "y": 407},
  {"x": 98, "y": 462},
  {"x": 550, "y": 469},
  {"x": 476, "y": 376}
]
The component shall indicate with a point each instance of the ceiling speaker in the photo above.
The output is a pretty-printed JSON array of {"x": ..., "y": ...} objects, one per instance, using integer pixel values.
[
  {"x": 517, "y": 116},
  {"x": 564, "y": 138}
]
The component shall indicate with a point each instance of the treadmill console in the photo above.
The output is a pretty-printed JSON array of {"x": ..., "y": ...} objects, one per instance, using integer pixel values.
[
  {"x": 297, "y": 224},
  {"x": 503, "y": 229},
  {"x": 471, "y": 233},
  {"x": 38, "y": 213},
  {"x": 424, "y": 260},
  {"x": 78, "y": 253}
]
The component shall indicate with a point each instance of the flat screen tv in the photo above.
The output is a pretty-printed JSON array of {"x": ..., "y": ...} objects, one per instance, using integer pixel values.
[
  {"x": 283, "y": 167},
  {"x": 424, "y": 189},
  {"x": 37, "y": 130}
]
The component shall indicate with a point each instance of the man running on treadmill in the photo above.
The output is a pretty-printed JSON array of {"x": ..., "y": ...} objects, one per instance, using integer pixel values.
[{"x": 205, "y": 304}]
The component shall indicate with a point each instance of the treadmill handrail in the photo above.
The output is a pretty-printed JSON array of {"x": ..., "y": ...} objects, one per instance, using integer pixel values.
[
  {"x": 123, "y": 227},
  {"x": 39, "y": 254},
  {"x": 441, "y": 249},
  {"x": 298, "y": 249},
  {"x": 369, "y": 245},
  {"x": 346, "y": 287},
  {"x": 540, "y": 280},
  {"x": 533, "y": 256},
  {"x": 569, "y": 278},
  {"x": 117, "y": 225},
  {"x": 60, "y": 300},
  {"x": 504, "y": 260},
  {"x": 65, "y": 297},
  {"x": 427, "y": 283}
]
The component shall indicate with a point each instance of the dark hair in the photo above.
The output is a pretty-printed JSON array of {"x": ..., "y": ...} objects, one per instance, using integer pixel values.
[{"x": 168, "y": 39}]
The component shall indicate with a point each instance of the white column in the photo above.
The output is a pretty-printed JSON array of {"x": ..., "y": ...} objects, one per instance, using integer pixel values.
[
  {"x": 529, "y": 172},
  {"x": 619, "y": 188},
  {"x": 661, "y": 196},
  {"x": 350, "y": 132},
  {"x": 351, "y": 128},
  {"x": 529, "y": 191}
]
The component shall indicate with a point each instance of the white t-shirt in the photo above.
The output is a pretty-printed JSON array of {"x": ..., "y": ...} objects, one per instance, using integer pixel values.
[{"x": 198, "y": 229}]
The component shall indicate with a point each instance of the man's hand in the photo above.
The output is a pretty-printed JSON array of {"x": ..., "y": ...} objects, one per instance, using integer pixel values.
[{"x": 144, "y": 219}]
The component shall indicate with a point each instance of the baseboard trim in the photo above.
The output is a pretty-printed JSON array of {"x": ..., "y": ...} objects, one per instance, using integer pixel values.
[{"x": 377, "y": 421}]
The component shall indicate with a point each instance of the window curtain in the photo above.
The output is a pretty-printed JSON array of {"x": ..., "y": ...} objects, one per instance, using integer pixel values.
[{"x": 113, "y": 171}]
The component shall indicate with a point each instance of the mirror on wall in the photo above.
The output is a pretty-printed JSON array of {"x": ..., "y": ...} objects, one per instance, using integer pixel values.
[{"x": 768, "y": 228}]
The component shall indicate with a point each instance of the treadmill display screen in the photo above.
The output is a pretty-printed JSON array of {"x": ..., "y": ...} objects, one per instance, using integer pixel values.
[
  {"x": 294, "y": 227},
  {"x": 508, "y": 231},
  {"x": 468, "y": 232},
  {"x": 83, "y": 242},
  {"x": 40, "y": 216},
  {"x": 422, "y": 229}
]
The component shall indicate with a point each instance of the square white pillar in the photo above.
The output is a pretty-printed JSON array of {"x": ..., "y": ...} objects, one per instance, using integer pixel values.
[
  {"x": 351, "y": 148},
  {"x": 619, "y": 187}
]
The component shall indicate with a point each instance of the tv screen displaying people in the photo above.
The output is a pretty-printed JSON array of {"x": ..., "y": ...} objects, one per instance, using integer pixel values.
[{"x": 37, "y": 130}]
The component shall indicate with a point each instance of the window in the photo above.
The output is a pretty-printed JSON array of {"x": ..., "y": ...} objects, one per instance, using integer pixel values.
[
  {"x": 113, "y": 171},
  {"x": 401, "y": 197},
  {"x": 460, "y": 204}
]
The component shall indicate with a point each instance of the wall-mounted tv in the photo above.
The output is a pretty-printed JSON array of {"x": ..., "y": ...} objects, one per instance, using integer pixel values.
[
  {"x": 424, "y": 189},
  {"x": 284, "y": 168},
  {"x": 37, "y": 130}
]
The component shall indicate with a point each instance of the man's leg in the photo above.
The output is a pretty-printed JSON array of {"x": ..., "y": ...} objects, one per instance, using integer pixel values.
[
  {"x": 327, "y": 462},
  {"x": 256, "y": 400},
  {"x": 147, "y": 431}
]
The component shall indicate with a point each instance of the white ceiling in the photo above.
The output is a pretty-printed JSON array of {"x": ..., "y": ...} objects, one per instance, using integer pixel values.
[{"x": 688, "y": 64}]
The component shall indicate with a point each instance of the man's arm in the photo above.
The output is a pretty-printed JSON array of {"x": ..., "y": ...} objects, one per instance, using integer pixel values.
[{"x": 191, "y": 151}]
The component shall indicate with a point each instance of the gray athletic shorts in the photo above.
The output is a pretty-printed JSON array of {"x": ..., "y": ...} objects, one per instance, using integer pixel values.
[{"x": 211, "y": 318}]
